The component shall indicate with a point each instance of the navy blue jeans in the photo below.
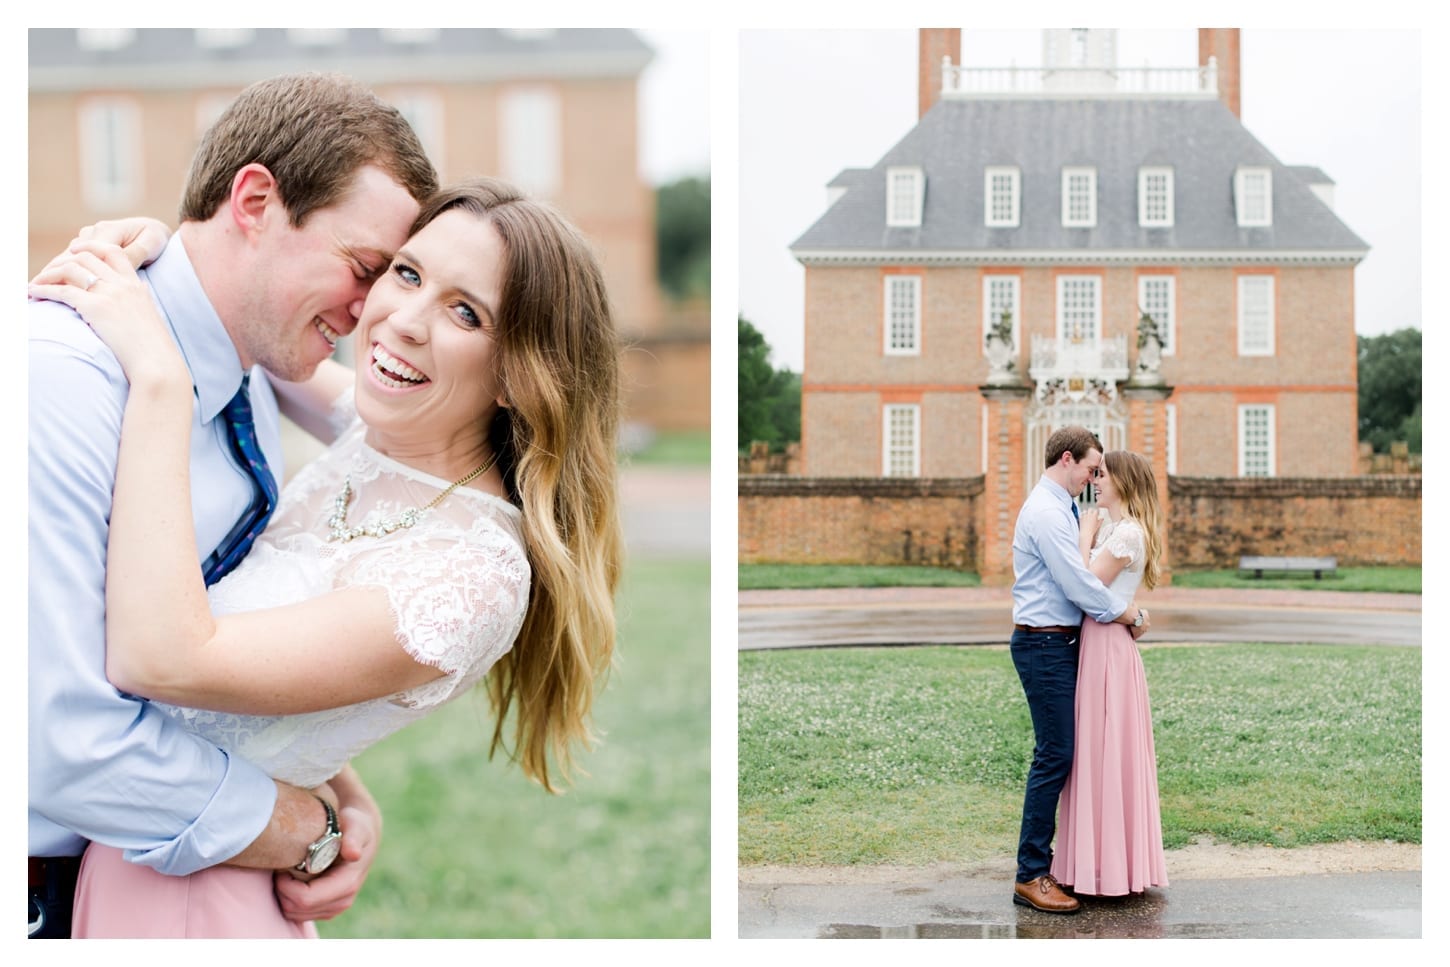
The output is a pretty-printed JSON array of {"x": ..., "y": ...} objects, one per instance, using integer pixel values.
[{"x": 1047, "y": 665}]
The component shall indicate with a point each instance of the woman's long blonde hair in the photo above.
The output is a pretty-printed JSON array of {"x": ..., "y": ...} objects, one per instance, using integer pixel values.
[
  {"x": 1138, "y": 492},
  {"x": 558, "y": 361}
]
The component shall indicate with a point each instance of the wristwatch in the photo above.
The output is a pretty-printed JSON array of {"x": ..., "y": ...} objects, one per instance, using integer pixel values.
[
  {"x": 1138, "y": 621},
  {"x": 325, "y": 849}
]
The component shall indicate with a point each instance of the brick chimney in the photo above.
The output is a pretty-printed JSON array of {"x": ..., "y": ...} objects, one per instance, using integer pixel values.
[
  {"x": 934, "y": 43},
  {"x": 1222, "y": 43}
]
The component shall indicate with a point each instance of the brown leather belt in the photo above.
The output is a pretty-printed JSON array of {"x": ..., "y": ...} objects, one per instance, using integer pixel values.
[
  {"x": 1050, "y": 629},
  {"x": 39, "y": 865}
]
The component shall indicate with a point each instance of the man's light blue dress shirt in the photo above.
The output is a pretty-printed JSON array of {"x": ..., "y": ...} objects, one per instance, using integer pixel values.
[
  {"x": 106, "y": 766},
  {"x": 1052, "y": 586}
]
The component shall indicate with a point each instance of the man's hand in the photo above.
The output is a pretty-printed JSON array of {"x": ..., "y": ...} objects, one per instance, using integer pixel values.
[{"x": 325, "y": 896}]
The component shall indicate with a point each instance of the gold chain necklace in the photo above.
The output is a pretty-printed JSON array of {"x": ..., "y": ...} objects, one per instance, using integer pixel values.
[{"x": 338, "y": 521}]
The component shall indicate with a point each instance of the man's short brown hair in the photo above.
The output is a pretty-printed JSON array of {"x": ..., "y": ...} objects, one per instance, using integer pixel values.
[
  {"x": 312, "y": 132},
  {"x": 1077, "y": 440}
]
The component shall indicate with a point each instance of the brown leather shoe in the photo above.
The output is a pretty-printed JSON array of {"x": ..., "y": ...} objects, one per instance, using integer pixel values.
[{"x": 1044, "y": 894}]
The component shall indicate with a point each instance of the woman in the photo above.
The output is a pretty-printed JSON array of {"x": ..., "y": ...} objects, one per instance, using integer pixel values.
[
  {"x": 1110, "y": 836},
  {"x": 463, "y": 524}
]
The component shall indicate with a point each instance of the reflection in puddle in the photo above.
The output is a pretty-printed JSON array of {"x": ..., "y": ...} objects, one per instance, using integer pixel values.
[{"x": 1109, "y": 917}]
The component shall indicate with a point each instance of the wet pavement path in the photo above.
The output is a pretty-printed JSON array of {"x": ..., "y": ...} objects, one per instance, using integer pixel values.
[
  {"x": 891, "y": 616},
  {"x": 1360, "y": 905}
]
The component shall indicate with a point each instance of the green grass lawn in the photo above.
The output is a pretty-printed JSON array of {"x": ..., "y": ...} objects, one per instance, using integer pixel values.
[
  {"x": 1404, "y": 580},
  {"x": 919, "y": 755},
  {"x": 757, "y": 576},
  {"x": 471, "y": 849},
  {"x": 688, "y": 448}
]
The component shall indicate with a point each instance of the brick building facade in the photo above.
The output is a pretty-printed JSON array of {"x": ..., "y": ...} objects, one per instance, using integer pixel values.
[{"x": 1076, "y": 199}]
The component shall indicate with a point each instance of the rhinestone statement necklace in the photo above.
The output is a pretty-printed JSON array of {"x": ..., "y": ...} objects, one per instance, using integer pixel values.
[{"x": 338, "y": 521}]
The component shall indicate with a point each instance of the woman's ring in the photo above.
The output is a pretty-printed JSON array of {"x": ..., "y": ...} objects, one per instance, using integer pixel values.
[{"x": 91, "y": 280}]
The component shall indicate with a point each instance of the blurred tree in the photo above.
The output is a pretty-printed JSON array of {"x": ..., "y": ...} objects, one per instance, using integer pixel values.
[
  {"x": 769, "y": 400},
  {"x": 682, "y": 237},
  {"x": 1389, "y": 389}
]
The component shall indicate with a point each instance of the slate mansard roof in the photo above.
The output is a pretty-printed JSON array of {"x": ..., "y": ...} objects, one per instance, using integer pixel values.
[
  {"x": 956, "y": 140},
  {"x": 173, "y": 57}
]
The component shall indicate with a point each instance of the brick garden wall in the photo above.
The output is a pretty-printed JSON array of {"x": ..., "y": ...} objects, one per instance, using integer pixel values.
[
  {"x": 1359, "y": 520},
  {"x": 850, "y": 520},
  {"x": 1212, "y": 521}
]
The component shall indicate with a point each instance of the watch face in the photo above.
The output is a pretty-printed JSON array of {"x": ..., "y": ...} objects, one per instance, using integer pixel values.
[{"x": 325, "y": 854}]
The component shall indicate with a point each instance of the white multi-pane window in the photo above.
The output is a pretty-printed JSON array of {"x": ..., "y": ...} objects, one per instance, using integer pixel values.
[
  {"x": 904, "y": 195},
  {"x": 423, "y": 110},
  {"x": 222, "y": 38},
  {"x": 104, "y": 38},
  {"x": 902, "y": 324},
  {"x": 531, "y": 138},
  {"x": 317, "y": 36},
  {"x": 1256, "y": 315},
  {"x": 209, "y": 107},
  {"x": 1004, "y": 197},
  {"x": 1156, "y": 298},
  {"x": 1155, "y": 197},
  {"x": 1001, "y": 293},
  {"x": 1079, "y": 197},
  {"x": 901, "y": 440},
  {"x": 110, "y": 139},
  {"x": 1079, "y": 308},
  {"x": 1256, "y": 440},
  {"x": 1254, "y": 196}
]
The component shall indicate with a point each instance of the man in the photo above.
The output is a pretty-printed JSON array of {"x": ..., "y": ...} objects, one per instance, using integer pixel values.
[
  {"x": 1051, "y": 591},
  {"x": 296, "y": 200}
]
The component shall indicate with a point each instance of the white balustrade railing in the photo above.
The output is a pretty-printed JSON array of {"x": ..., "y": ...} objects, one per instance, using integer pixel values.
[{"x": 958, "y": 81}]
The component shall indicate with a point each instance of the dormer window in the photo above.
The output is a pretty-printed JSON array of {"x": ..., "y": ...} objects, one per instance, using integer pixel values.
[
  {"x": 1003, "y": 197},
  {"x": 1155, "y": 197},
  {"x": 1079, "y": 197},
  {"x": 1254, "y": 197},
  {"x": 904, "y": 194}
]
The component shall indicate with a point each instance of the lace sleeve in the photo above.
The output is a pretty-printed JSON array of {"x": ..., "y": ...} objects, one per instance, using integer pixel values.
[
  {"x": 458, "y": 604},
  {"x": 1126, "y": 542}
]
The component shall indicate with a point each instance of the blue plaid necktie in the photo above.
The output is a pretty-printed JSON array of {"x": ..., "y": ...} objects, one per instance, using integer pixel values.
[{"x": 242, "y": 433}]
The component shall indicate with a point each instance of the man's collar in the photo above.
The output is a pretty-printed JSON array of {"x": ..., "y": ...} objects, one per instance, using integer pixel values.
[{"x": 216, "y": 369}]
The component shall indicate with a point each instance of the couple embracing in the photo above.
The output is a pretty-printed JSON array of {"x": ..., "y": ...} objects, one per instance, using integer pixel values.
[
  {"x": 207, "y": 648},
  {"x": 1094, "y": 771}
]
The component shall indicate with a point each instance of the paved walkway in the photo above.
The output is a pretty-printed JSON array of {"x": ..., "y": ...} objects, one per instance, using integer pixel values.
[{"x": 887, "y": 616}]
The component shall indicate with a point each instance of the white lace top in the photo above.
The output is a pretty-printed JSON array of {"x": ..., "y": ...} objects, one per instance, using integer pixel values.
[
  {"x": 1124, "y": 540},
  {"x": 458, "y": 582}
]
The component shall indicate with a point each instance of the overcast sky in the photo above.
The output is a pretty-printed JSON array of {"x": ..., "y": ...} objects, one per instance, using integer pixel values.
[
  {"x": 674, "y": 100},
  {"x": 815, "y": 102}
]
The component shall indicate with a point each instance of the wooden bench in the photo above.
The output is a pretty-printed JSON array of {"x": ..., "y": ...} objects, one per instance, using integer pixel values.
[{"x": 1319, "y": 565}]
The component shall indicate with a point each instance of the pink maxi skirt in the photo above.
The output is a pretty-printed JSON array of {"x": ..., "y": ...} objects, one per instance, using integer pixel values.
[
  {"x": 1109, "y": 830},
  {"x": 119, "y": 899}
]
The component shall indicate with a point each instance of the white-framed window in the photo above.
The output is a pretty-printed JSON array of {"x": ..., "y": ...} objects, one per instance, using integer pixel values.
[
  {"x": 1155, "y": 197},
  {"x": 1156, "y": 297},
  {"x": 104, "y": 38},
  {"x": 409, "y": 35},
  {"x": 1001, "y": 293},
  {"x": 1079, "y": 197},
  {"x": 531, "y": 139},
  {"x": 902, "y": 298},
  {"x": 110, "y": 140},
  {"x": 1170, "y": 436},
  {"x": 1003, "y": 192},
  {"x": 904, "y": 195},
  {"x": 1256, "y": 440},
  {"x": 317, "y": 36},
  {"x": 1256, "y": 315},
  {"x": 901, "y": 440},
  {"x": 1079, "y": 308},
  {"x": 423, "y": 110},
  {"x": 210, "y": 107},
  {"x": 222, "y": 38},
  {"x": 1254, "y": 196}
]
